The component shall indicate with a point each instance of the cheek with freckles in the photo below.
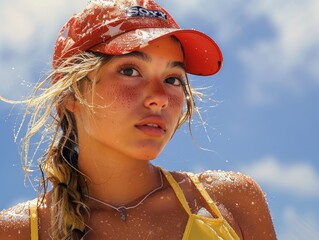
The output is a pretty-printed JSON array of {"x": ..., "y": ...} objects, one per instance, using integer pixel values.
[
  {"x": 129, "y": 96},
  {"x": 176, "y": 102},
  {"x": 119, "y": 96}
]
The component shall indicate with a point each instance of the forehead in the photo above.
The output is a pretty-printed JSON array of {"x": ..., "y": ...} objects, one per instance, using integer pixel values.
[{"x": 168, "y": 47}]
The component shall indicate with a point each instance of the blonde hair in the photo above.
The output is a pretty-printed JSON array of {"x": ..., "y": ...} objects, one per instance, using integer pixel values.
[{"x": 50, "y": 117}]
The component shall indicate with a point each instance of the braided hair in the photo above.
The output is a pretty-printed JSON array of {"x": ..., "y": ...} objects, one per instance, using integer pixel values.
[{"x": 56, "y": 125}]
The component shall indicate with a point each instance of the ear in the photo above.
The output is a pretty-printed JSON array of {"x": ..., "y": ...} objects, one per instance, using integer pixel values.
[{"x": 71, "y": 104}]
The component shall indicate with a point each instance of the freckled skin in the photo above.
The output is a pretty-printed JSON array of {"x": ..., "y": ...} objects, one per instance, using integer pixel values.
[
  {"x": 123, "y": 101},
  {"x": 108, "y": 130}
]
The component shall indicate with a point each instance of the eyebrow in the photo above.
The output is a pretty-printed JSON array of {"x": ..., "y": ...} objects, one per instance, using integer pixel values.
[
  {"x": 178, "y": 64},
  {"x": 144, "y": 57}
]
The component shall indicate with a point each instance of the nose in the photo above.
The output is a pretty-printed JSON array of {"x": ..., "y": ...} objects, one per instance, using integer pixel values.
[{"x": 156, "y": 96}]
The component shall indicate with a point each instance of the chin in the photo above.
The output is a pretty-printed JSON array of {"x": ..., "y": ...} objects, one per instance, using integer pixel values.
[
  {"x": 147, "y": 151},
  {"x": 147, "y": 156}
]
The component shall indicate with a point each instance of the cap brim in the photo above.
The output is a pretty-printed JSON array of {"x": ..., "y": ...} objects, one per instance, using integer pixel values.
[{"x": 202, "y": 54}]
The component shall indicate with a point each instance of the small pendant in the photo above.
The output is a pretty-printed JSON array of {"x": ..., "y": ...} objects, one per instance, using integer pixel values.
[{"x": 122, "y": 212}]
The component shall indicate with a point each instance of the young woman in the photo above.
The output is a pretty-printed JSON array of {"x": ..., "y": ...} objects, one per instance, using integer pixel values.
[{"x": 117, "y": 94}]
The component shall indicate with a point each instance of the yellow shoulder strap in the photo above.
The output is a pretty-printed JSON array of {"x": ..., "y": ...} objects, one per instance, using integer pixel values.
[
  {"x": 178, "y": 191},
  {"x": 34, "y": 220},
  {"x": 204, "y": 193}
]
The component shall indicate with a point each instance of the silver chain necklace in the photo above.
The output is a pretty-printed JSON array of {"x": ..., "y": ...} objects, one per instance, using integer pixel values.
[{"x": 122, "y": 209}]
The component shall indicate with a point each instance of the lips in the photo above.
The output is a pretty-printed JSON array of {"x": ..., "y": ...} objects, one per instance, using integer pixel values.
[{"x": 153, "y": 126}]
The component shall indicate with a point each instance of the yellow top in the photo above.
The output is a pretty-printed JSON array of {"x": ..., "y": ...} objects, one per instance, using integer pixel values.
[
  {"x": 198, "y": 227},
  {"x": 34, "y": 220}
]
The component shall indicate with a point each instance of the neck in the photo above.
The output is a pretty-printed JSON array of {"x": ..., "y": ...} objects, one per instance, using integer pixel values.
[{"x": 118, "y": 181}]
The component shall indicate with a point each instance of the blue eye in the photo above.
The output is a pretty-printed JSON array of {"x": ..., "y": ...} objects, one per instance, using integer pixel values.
[
  {"x": 130, "y": 72},
  {"x": 174, "y": 81}
]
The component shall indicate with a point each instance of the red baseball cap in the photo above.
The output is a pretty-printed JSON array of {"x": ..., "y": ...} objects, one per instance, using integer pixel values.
[{"x": 121, "y": 26}]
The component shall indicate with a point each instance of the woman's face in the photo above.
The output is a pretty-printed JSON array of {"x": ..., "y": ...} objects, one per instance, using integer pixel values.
[{"x": 137, "y": 102}]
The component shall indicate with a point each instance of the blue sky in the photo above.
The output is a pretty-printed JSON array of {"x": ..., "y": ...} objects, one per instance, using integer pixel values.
[{"x": 260, "y": 112}]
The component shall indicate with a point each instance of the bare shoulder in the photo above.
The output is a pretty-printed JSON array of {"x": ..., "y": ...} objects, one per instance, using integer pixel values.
[
  {"x": 14, "y": 222},
  {"x": 244, "y": 199},
  {"x": 222, "y": 183}
]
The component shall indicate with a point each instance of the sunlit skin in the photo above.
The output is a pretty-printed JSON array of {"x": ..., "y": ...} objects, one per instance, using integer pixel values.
[
  {"x": 137, "y": 102},
  {"x": 133, "y": 90}
]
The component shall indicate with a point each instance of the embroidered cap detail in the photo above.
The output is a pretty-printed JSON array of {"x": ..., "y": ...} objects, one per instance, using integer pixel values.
[{"x": 137, "y": 11}]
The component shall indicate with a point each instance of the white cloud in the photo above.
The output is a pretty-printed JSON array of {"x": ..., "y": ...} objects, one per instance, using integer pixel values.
[
  {"x": 287, "y": 62},
  {"x": 23, "y": 22},
  {"x": 28, "y": 31},
  {"x": 224, "y": 17},
  {"x": 299, "y": 225},
  {"x": 299, "y": 179}
]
